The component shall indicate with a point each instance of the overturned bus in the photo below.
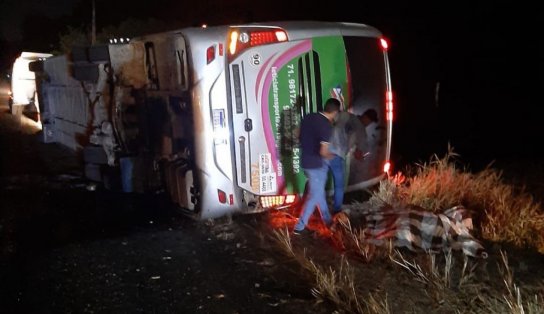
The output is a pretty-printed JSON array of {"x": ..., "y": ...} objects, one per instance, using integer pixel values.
[{"x": 212, "y": 114}]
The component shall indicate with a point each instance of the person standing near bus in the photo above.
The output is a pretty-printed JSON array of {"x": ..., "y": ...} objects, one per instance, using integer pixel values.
[
  {"x": 341, "y": 142},
  {"x": 315, "y": 133},
  {"x": 370, "y": 120}
]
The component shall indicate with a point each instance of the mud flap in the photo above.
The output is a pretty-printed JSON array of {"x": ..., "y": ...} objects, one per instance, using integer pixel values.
[
  {"x": 184, "y": 177},
  {"x": 179, "y": 182}
]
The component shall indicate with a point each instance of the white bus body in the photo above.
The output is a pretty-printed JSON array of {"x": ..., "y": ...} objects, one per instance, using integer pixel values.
[{"x": 213, "y": 113}]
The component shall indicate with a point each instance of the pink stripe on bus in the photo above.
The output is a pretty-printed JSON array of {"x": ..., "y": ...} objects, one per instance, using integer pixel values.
[{"x": 293, "y": 52}]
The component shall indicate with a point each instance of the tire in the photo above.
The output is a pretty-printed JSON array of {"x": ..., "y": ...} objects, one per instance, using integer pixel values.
[
  {"x": 86, "y": 72},
  {"x": 79, "y": 54},
  {"x": 99, "y": 54}
]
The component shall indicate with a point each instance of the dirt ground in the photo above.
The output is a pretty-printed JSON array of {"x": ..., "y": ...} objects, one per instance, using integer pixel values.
[{"x": 65, "y": 249}]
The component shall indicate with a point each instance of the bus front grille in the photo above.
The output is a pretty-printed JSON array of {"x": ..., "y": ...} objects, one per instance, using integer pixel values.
[
  {"x": 237, "y": 88},
  {"x": 243, "y": 164}
]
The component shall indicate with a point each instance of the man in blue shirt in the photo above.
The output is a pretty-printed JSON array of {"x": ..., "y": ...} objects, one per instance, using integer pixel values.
[{"x": 315, "y": 132}]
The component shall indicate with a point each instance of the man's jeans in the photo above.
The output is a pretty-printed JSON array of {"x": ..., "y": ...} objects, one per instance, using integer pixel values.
[
  {"x": 317, "y": 178},
  {"x": 337, "y": 168}
]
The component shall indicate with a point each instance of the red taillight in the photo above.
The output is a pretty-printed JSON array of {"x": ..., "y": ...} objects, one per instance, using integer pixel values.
[
  {"x": 261, "y": 38},
  {"x": 222, "y": 196},
  {"x": 244, "y": 38},
  {"x": 389, "y": 105},
  {"x": 210, "y": 54},
  {"x": 384, "y": 43}
]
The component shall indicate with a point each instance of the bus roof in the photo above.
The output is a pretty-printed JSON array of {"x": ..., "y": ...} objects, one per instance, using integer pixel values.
[{"x": 296, "y": 29}]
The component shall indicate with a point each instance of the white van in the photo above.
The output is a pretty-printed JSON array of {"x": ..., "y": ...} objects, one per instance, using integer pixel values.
[{"x": 23, "y": 83}]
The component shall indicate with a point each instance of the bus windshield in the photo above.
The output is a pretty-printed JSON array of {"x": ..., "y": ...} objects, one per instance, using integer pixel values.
[{"x": 368, "y": 86}]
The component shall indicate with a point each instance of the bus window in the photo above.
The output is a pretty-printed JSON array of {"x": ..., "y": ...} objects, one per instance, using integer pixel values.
[
  {"x": 367, "y": 70},
  {"x": 368, "y": 87},
  {"x": 151, "y": 66},
  {"x": 181, "y": 63},
  {"x": 181, "y": 67}
]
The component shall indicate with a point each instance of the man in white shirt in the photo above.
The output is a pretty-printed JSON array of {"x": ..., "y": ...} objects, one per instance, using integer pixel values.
[
  {"x": 370, "y": 120},
  {"x": 342, "y": 142}
]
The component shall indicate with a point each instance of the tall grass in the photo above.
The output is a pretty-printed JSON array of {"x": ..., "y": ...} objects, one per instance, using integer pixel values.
[
  {"x": 505, "y": 213},
  {"x": 502, "y": 213},
  {"x": 337, "y": 282},
  {"x": 512, "y": 300}
]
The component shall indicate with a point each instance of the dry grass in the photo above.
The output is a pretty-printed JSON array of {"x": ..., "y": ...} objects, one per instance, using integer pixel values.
[
  {"x": 354, "y": 241},
  {"x": 505, "y": 213},
  {"x": 511, "y": 299},
  {"x": 454, "y": 284},
  {"x": 335, "y": 283},
  {"x": 453, "y": 287},
  {"x": 442, "y": 277}
]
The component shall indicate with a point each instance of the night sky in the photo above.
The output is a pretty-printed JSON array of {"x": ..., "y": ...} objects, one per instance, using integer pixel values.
[{"x": 486, "y": 56}]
